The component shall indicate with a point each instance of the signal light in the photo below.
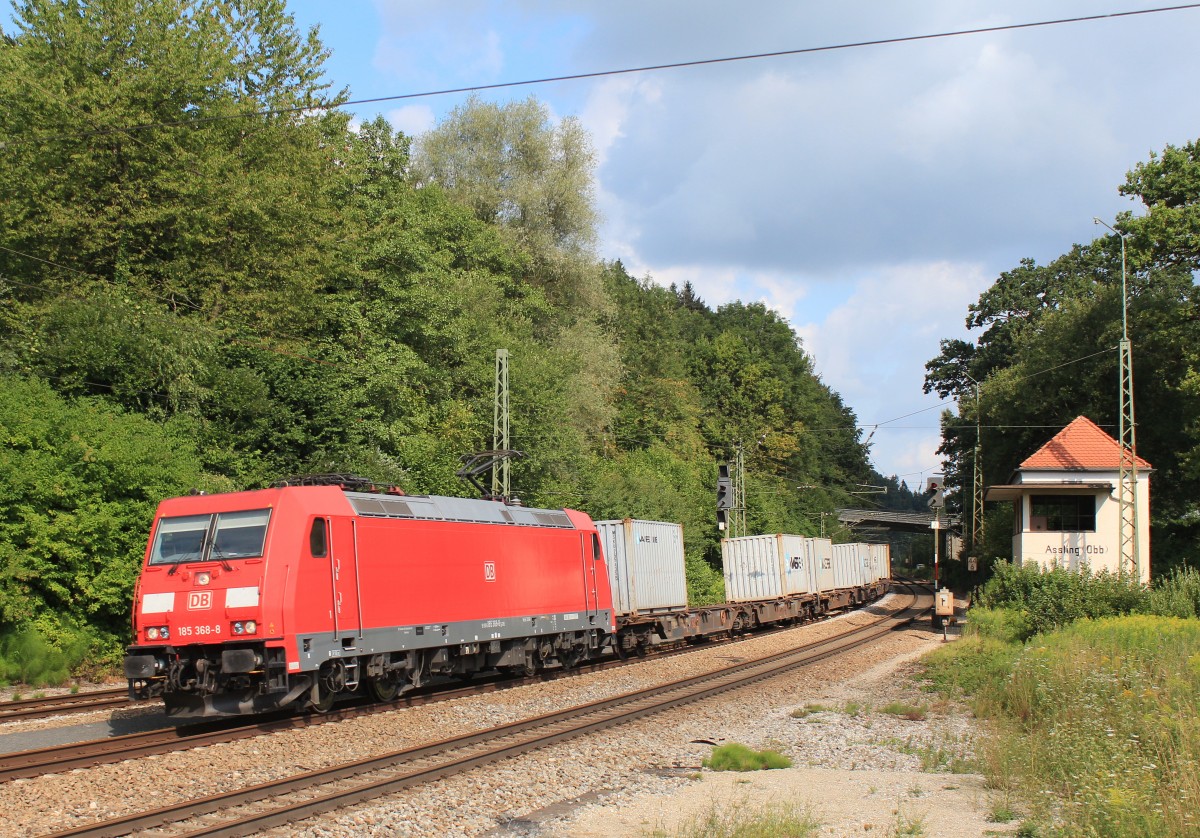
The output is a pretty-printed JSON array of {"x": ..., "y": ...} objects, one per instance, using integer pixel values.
[
  {"x": 936, "y": 490},
  {"x": 157, "y": 633}
]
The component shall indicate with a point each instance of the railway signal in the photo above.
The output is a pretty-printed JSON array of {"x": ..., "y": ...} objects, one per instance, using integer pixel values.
[
  {"x": 724, "y": 496},
  {"x": 935, "y": 490}
]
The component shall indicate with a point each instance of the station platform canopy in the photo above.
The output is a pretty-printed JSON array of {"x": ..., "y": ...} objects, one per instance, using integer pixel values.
[{"x": 894, "y": 520}]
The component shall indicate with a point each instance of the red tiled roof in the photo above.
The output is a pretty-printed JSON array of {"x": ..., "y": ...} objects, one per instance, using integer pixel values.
[{"x": 1081, "y": 445}]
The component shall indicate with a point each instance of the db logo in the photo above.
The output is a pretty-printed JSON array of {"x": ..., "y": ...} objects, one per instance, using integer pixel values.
[
  {"x": 199, "y": 600},
  {"x": 489, "y": 571}
]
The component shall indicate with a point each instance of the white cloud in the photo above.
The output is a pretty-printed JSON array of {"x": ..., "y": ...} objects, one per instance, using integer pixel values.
[
  {"x": 412, "y": 119},
  {"x": 873, "y": 347}
]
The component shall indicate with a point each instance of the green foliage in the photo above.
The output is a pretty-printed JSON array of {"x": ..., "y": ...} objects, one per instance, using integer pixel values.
[
  {"x": 737, "y": 757},
  {"x": 1176, "y": 595},
  {"x": 79, "y": 481},
  {"x": 911, "y": 712},
  {"x": 26, "y": 657},
  {"x": 1053, "y": 598}
]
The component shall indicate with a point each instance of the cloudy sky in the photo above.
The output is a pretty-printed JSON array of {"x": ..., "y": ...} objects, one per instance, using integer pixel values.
[{"x": 867, "y": 194}]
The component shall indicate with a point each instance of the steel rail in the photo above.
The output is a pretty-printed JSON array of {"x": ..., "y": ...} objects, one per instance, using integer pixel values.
[
  {"x": 44, "y": 707},
  {"x": 403, "y": 769}
]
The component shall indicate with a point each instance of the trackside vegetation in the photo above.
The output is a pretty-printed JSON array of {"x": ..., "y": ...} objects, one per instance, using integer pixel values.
[
  {"x": 735, "y": 756},
  {"x": 212, "y": 279},
  {"x": 1092, "y": 708},
  {"x": 743, "y": 819}
]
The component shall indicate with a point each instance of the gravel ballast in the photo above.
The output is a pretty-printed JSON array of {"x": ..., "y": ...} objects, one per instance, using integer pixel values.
[{"x": 602, "y": 785}]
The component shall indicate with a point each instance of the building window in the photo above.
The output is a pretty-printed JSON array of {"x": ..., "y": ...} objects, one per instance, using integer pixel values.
[{"x": 1062, "y": 513}]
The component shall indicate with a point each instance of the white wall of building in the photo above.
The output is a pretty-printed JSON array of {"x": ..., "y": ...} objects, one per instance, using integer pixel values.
[{"x": 1099, "y": 550}]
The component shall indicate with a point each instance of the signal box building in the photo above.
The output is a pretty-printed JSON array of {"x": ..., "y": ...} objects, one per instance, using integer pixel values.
[{"x": 1066, "y": 503}]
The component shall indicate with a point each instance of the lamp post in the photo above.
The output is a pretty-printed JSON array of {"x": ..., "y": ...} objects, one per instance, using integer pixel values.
[{"x": 1128, "y": 476}]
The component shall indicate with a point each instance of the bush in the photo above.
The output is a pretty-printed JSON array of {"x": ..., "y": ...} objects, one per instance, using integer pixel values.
[
  {"x": 1057, "y": 597},
  {"x": 737, "y": 757},
  {"x": 1176, "y": 595},
  {"x": 27, "y": 657}
]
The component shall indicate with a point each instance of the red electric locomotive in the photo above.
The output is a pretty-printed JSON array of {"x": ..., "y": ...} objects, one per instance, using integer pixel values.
[{"x": 288, "y": 597}]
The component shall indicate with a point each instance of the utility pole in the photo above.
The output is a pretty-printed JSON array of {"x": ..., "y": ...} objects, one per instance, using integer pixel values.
[
  {"x": 977, "y": 480},
  {"x": 739, "y": 493},
  {"x": 500, "y": 474},
  {"x": 1131, "y": 560}
]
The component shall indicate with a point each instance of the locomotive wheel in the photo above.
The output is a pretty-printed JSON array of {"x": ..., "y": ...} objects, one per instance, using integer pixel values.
[
  {"x": 570, "y": 658},
  {"x": 385, "y": 689},
  {"x": 324, "y": 702}
]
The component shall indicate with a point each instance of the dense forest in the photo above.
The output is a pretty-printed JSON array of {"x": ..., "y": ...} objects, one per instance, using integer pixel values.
[
  {"x": 1047, "y": 352},
  {"x": 212, "y": 278}
]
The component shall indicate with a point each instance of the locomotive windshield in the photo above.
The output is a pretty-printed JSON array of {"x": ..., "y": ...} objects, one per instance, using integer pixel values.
[{"x": 213, "y": 537}]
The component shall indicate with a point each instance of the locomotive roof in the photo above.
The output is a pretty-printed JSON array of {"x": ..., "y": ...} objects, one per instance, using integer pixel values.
[{"x": 467, "y": 510}]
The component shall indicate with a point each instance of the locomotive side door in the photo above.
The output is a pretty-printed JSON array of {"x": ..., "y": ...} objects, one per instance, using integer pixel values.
[
  {"x": 343, "y": 566},
  {"x": 591, "y": 558}
]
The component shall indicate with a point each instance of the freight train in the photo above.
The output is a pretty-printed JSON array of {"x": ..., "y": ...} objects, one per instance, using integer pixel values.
[{"x": 292, "y": 596}]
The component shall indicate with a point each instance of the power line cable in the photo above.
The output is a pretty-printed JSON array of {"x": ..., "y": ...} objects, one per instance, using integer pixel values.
[{"x": 649, "y": 68}]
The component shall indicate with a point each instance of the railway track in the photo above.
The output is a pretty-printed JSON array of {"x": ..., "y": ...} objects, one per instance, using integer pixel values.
[
  {"x": 250, "y": 810},
  {"x": 74, "y": 755},
  {"x": 41, "y": 708}
]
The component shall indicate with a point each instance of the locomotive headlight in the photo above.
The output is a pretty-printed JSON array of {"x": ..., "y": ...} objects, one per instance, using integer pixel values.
[
  {"x": 251, "y": 627},
  {"x": 203, "y": 577},
  {"x": 157, "y": 633},
  {"x": 245, "y": 627},
  {"x": 238, "y": 628}
]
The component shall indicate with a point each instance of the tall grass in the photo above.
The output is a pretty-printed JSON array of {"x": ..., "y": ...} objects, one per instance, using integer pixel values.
[
  {"x": 1104, "y": 716},
  {"x": 1091, "y": 689},
  {"x": 745, "y": 820}
]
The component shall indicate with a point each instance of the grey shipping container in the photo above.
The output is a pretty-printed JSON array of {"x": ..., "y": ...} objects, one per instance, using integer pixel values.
[
  {"x": 645, "y": 565},
  {"x": 762, "y": 567}
]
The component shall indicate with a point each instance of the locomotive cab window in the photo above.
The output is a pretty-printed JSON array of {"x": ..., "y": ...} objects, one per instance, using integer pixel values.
[
  {"x": 212, "y": 537},
  {"x": 318, "y": 544},
  {"x": 595, "y": 547}
]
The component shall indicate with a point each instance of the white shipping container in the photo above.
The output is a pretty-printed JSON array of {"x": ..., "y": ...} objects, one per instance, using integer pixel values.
[
  {"x": 796, "y": 558},
  {"x": 881, "y": 561},
  {"x": 751, "y": 567},
  {"x": 822, "y": 563},
  {"x": 646, "y": 566},
  {"x": 848, "y": 571},
  {"x": 762, "y": 567}
]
